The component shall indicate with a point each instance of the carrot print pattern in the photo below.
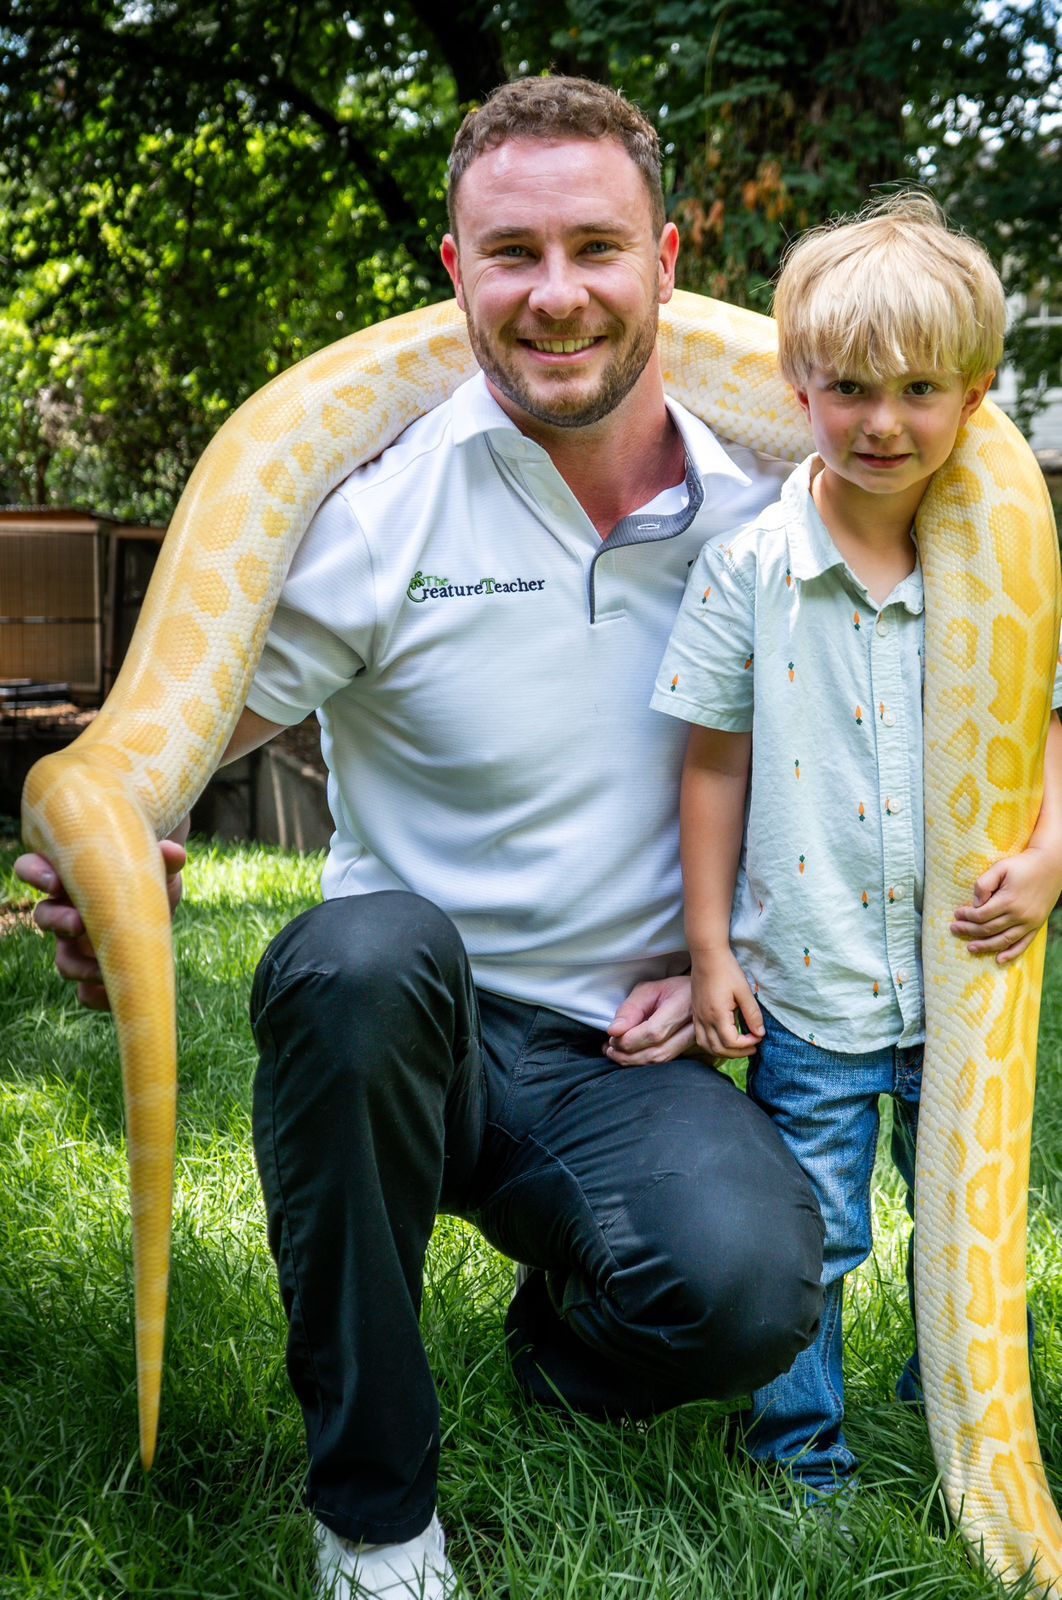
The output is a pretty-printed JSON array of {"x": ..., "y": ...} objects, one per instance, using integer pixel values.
[
  {"x": 796, "y": 764},
  {"x": 807, "y": 956},
  {"x": 877, "y": 988},
  {"x": 862, "y": 812},
  {"x": 748, "y": 661},
  {"x": 859, "y": 716},
  {"x": 674, "y": 683},
  {"x": 857, "y": 621},
  {"x": 788, "y": 578},
  {"x": 800, "y": 866},
  {"x": 792, "y": 672},
  {"x": 865, "y": 900},
  {"x": 704, "y": 596}
]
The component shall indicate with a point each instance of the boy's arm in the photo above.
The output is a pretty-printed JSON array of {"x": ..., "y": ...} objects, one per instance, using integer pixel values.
[
  {"x": 714, "y": 782},
  {"x": 1015, "y": 897}
]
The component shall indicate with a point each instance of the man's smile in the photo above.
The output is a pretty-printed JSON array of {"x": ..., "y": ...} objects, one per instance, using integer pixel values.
[{"x": 561, "y": 347}]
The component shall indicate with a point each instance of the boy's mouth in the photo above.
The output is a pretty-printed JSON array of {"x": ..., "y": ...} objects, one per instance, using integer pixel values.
[{"x": 886, "y": 462}]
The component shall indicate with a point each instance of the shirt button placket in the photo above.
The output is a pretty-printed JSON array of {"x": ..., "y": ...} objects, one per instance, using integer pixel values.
[{"x": 897, "y": 844}]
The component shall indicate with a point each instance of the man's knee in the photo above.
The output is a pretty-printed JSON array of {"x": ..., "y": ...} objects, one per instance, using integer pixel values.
[
  {"x": 370, "y": 940},
  {"x": 362, "y": 987},
  {"x": 728, "y": 1309}
]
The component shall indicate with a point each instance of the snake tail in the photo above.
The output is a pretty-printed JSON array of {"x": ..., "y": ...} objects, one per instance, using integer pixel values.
[{"x": 94, "y": 830}]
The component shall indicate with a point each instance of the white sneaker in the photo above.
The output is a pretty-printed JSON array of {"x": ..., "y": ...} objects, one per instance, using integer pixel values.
[{"x": 415, "y": 1570}]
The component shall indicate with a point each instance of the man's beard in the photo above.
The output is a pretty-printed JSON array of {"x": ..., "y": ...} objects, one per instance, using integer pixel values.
[{"x": 569, "y": 409}]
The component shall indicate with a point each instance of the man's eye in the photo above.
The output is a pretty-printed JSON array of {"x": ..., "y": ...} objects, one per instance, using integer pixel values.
[
  {"x": 598, "y": 247},
  {"x": 512, "y": 251}
]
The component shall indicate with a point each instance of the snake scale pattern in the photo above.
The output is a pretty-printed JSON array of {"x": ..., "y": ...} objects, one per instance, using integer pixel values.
[{"x": 990, "y": 563}]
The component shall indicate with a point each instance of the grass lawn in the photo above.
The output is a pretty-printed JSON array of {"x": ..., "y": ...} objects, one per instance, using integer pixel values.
[{"x": 536, "y": 1505}]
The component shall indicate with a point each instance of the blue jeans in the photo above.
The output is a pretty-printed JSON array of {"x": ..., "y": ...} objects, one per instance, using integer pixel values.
[{"x": 825, "y": 1105}]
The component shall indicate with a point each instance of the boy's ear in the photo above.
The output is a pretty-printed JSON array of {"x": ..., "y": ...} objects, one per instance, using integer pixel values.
[
  {"x": 975, "y": 393},
  {"x": 802, "y": 401}
]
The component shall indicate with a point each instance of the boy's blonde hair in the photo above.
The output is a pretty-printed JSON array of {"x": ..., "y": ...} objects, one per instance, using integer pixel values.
[{"x": 888, "y": 291}]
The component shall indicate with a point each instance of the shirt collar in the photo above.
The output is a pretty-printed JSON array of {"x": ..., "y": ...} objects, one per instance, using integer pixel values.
[
  {"x": 811, "y": 550},
  {"x": 475, "y": 412}
]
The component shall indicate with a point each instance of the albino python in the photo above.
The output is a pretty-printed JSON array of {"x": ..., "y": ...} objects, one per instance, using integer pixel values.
[{"x": 991, "y": 574}]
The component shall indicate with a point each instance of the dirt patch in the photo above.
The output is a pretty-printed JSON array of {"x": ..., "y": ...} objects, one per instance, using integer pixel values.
[{"x": 16, "y": 914}]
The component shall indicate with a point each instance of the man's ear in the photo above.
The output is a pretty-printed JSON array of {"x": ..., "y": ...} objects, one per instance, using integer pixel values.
[
  {"x": 975, "y": 393},
  {"x": 667, "y": 255},
  {"x": 451, "y": 262}
]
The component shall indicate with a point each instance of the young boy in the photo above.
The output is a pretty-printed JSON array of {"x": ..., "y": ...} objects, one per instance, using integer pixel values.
[{"x": 799, "y": 648}]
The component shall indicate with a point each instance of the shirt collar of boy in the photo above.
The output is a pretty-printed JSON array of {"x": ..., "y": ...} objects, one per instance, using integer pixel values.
[
  {"x": 811, "y": 550},
  {"x": 475, "y": 412}
]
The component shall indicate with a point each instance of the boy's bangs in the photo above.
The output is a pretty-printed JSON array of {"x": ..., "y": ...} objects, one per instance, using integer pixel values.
[
  {"x": 874, "y": 328},
  {"x": 889, "y": 292}
]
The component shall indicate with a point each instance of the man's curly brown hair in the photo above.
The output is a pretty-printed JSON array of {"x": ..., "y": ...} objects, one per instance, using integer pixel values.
[{"x": 558, "y": 108}]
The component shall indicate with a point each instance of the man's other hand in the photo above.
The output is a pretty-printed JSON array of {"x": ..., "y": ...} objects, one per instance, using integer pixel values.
[
  {"x": 653, "y": 1024},
  {"x": 75, "y": 959}
]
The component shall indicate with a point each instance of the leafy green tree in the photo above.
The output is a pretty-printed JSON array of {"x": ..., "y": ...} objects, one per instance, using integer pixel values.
[{"x": 194, "y": 193}]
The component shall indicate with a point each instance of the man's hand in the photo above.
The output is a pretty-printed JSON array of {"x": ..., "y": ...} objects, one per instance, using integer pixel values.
[
  {"x": 1011, "y": 903},
  {"x": 652, "y": 1025},
  {"x": 75, "y": 959},
  {"x": 721, "y": 989}
]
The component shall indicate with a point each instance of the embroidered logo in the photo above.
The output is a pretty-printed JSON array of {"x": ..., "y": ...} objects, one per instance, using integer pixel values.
[{"x": 424, "y": 586}]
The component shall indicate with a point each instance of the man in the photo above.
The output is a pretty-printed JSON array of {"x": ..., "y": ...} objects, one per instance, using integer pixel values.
[{"x": 488, "y": 1013}]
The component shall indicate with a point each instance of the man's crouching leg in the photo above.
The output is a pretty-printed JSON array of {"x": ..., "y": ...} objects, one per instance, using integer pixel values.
[
  {"x": 697, "y": 1250},
  {"x": 367, "y": 1115}
]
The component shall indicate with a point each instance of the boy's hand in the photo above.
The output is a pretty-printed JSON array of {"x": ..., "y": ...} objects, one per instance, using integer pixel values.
[
  {"x": 720, "y": 989},
  {"x": 1011, "y": 903},
  {"x": 652, "y": 1025},
  {"x": 75, "y": 959}
]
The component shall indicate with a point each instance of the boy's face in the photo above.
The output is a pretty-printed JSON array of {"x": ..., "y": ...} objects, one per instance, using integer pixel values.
[{"x": 888, "y": 437}]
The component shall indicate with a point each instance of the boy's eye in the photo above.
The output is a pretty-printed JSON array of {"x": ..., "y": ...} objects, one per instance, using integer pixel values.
[
  {"x": 846, "y": 386},
  {"x": 922, "y": 386}
]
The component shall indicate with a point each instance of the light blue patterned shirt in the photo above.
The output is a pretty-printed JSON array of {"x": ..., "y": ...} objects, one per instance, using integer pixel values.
[{"x": 776, "y": 634}]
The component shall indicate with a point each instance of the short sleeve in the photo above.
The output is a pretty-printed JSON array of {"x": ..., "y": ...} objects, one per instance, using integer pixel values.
[
  {"x": 1056, "y": 697},
  {"x": 706, "y": 673},
  {"x": 321, "y": 633}
]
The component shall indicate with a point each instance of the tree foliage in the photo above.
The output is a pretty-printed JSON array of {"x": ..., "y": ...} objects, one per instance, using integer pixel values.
[{"x": 194, "y": 193}]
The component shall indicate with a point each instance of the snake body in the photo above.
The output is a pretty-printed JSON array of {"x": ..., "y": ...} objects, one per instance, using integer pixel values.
[{"x": 991, "y": 574}]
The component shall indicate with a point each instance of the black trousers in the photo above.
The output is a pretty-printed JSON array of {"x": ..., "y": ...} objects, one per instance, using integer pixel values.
[{"x": 679, "y": 1242}]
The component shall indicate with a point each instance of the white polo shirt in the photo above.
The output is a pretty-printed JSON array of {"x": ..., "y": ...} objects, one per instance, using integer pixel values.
[{"x": 481, "y": 662}]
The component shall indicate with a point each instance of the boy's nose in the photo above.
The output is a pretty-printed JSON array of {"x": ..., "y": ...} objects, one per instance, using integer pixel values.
[{"x": 882, "y": 420}]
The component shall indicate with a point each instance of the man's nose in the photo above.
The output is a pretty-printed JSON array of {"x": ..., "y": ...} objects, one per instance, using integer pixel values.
[{"x": 558, "y": 290}]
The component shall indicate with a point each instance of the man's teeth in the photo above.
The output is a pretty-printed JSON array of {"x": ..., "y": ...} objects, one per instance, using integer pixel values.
[{"x": 561, "y": 347}]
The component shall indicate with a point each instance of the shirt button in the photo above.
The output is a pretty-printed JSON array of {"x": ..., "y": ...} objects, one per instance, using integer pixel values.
[
  {"x": 896, "y": 892},
  {"x": 893, "y": 806},
  {"x": 881, "y": 626},
  {"x": 889, "y": 718}
]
